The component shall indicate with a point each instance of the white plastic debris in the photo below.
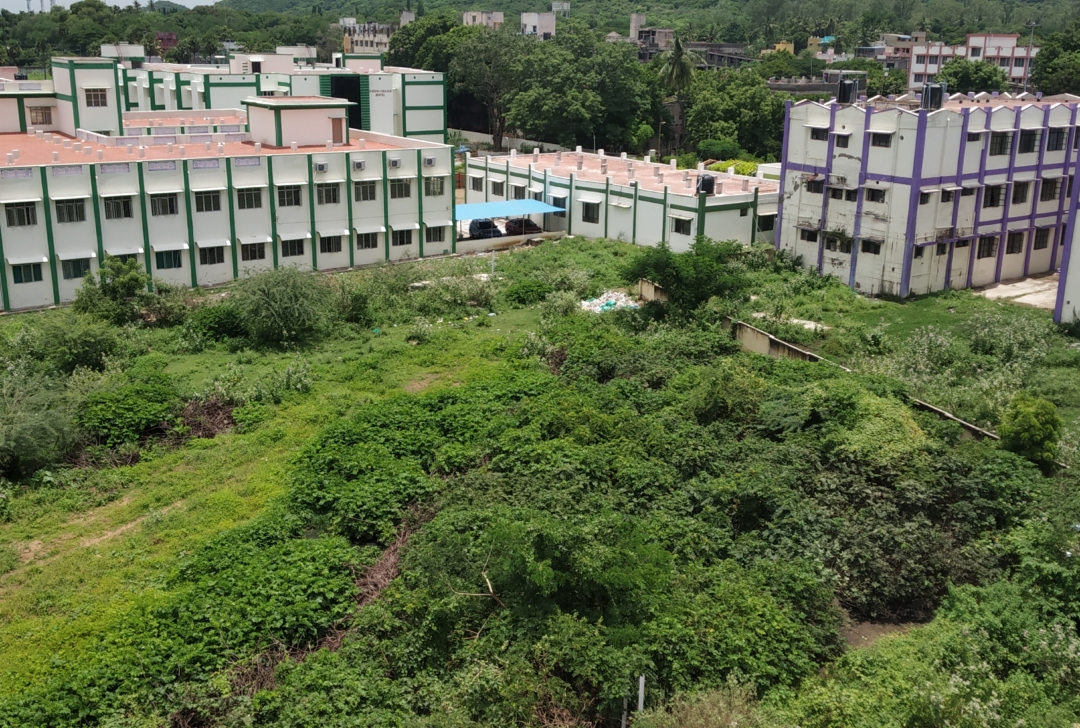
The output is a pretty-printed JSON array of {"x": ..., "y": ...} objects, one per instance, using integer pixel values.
[{"x": 609, "y": 301}]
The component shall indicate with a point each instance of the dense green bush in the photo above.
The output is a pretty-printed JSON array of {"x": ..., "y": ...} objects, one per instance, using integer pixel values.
[
  {"x": 115, "y": 293},
  {"x": 282, "y": 306},
  {"x": 67, "y": 342},
  {"x": 219, "y": 321},
  {"x": 147, "y": 399},
  {"x": 1032, "y": 428},
  {"x": 527, "y": 292},
  {"x": 690, "y": 280}
]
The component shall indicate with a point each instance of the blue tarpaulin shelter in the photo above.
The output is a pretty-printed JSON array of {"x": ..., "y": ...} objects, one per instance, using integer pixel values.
[{"x": 509, "y": 208}]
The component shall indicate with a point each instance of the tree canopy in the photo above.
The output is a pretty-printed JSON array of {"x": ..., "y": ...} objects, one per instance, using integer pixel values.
[{"x": 963, "y": 76}]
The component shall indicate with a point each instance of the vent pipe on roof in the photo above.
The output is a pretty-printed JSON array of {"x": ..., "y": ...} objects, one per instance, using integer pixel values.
[
  {"x": 361, "y": 143},
  {"x": 558, "y": 158},
  {"x": 746, "y": 185},
  {"x": 648, "y": 159},
  {"x": 183, "y": 151},
  {"x": 142, "y": 152},
  {"x": 208, "y": 146},
  {"x": 622, "y": 156},
  {"x": 258, "y": 146},
  {"x": 16, "y": 153},
  {"x": 293, "y": 146},
  {"x": 580, "y": 161},
  {"x": 513, "y": 153},
  {"x": 10, "y": 159},
  {"x": 536, "y": 156},
  {"x": 87, "y": 150},
  {"x": 67, "y": 144},
  {"x": 660, "y": 176},
  {"x": 630, "y": 173},
  {"x": 329, "y": 145},
  {"x": 577, "y": 149},
  {"x": 674, "y": 164},
  {"x": 56, "y": 156},
  {"x": 603, "y": 166},
  {"x": 131, "y": 149},
  {"x": 168, "y": 147},
  {"x": 600, "y": 152},
  {"x": 39, "y": 134},
  {"x": 100, "y": 154}
]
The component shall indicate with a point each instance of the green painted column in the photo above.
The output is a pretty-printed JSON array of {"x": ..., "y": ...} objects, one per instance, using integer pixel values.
[
  {"x": 49, "y": 233},
  {"x": 273, "y": 207},
  {"x": 97, "y": 213},
  {"x": 607, "y": 204},
  {"x": 349, "y": 193},
  {"x": 453, "y": 202},
  {"x": 633, "y": 222},
  {"x": 754, "y": 218},
  {"x": 145, "y": 226},
  {"x": 386, "y": 207},
  {"x": 701, "y": 214},
  {"x": 420, "y": 200},
  {"x": 3, "y": 276},
  {"x": 232, "y": 217},
  {"x": 21, "y": 103},
  {"x": 311, "y": 213},
  {"x": 190, "y": 226},
  {"x": 570, "y": 205},
  {"x": 664, "y": 217}
]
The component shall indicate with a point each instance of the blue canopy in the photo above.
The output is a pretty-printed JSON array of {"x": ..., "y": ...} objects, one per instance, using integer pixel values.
[{"x": 509, "y": 208}]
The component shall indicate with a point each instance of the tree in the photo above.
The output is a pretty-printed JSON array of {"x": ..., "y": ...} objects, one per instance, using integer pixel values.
[
  {"x": 114, "y": 294},
  {"x": 964, "y": 76},
  {"x": 487, "y": 66},
  {"x": 677, "y": 68},
  {"x": 1056, "y": 69},
  {"x": 1032, "y": 428},
  {"x": 405, "y": 44},
  {"x": 736, "y": 106},
  {"x": 438, "y": 51}
]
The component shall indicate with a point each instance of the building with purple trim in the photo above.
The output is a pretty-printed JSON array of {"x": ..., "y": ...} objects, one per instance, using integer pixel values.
[{"x": 899, "y": 200}]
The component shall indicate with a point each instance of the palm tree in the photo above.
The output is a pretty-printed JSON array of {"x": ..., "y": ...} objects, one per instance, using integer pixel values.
[{"x": 677, "y": 68}]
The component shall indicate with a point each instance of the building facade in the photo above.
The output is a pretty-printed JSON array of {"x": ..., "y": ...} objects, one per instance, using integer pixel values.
[
  {"x": 541, "y": 25},
  {"x": 899, "y": 201},
  {"x": 1005, "y": 51},
  {"x": 201, "y": 206},
  {"x": 639, "y": 202},
  {"x": 492, "y": 19}
]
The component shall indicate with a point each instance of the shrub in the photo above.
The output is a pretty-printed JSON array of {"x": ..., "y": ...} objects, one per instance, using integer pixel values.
[
  {"x": 1032, "y": 428},
  {"x": 420, "y": 332},
  {"x": 124, "y": 414},
  {"x": 67, "y": 342},
  {"x": 282, "y": 306},
  {"x": 166, "y": 306},
  {"x": 219, "y": 321},
  {"x": 112, "y": 295},
  {"x": 528, "y": 292},
  {"x": 718, "y": 149},
  {"x": 36, "y": 423}
]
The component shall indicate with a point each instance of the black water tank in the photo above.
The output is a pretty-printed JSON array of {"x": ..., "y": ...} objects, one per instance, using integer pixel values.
[
  {"x": 933, "y": 96},
  {"x": 706, "y": 183},
  {"x": 847, "y": 92}
]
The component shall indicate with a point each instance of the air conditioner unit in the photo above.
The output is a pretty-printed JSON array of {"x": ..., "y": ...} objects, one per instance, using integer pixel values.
[
  {"x": 395, "y": 163},
  {"x": 429, "y": 161},
  {"x": 322, "y": 167},
  {"x": 359, "y": 165}
]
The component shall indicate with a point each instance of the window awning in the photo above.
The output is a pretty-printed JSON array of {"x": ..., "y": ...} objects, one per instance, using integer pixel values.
[
  {"x": 75, "y": 254},
  {"x": 406, "y": 226},
  {"x": 62, "y": 198},
  {"x": 970, "y": 184},
  {"x": 518, "y": 184},
  {"x": 329, "y": 181},
  {"x": 123, "y": 250},
  {"x": 295, "y": 236},
  {"x": 590, "y": 199},
  {"x": 220, "y": 243},
  {"x": 619, "y": 203},
  {"x": 880, "y": 131},
  {"x": 166, "y": 247},
  {"x": 476, "y": 174},
  {"x": 333, "y": 232},
  {"x": 249, "y": 239},
  {"x": 26, "y": 259},
  {"x": 536, "y": 189},
  {"x": 447, "y": 174},
  {"x": 952, "y": 188},
  {"x": 373, "y": 228},
  {"x": 164, "y": 192},
  {"x": 245, "y": 186},
  {"x": 815, "y": 126},
  {"x": 209, "y": 189},
  {"x": 1053, "y": 174},
  {"x": 21, "y": 200},
  {"x": 841, "y": 133},
  {"x": 438, "y": 222},
  {"x": 679, "y": 217},
  {"x": 302, "y": 183}
]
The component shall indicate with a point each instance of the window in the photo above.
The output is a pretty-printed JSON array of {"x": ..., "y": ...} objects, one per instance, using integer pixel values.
[
  {"x": 328, "y": 193},
  {"x": 881, "y": 140},
  {"x": 976, "y": 52},
  {"x": 851, "y": 195},
  {"x": 436, "y": 234},
  {"x": 1042, "y": 239},
  {"x": 819, "y": 135},
  {"x": 401, "y": 237},
  {"x": 169, "y": 259},
  {"x": 367, "y": 241},
  {"x": 766, "y": 223},
  {"x": 992, "y": 196},
  {"x": 289, "y": 196},
  {"x": 873, "y": 247},
  {"x": 963, "y": 243},
  {"x": 400, "y": 188},
  {"x": 809, "y": 236},
  {"x": 97, "y": 97},
  {"x": 1014, "y": 244},
  {"x": 253, "y": 251},
  {"x": 212, "y": 256},
  {"x": 330, "y": 244},
  {"x": 1020, "y": 192},
  {"x": 830, "y": 243},
  {"x": 974, "y": 136},
  {"x": 1069, "y": 188},
  {"x": 249, "y": 198},
  {"x": 1029, "y": 141},
  {"x": 364, "y": 191},
  {"x": 436, "y": 186},
  {"x": 117, "y": 208},
  {"x": 1003, "y": 62},
  {"x": 207, "y": 202},
  {"x": 163, "y": 205},
  {"x": 76, "y": 268},
  {"x": 815, "y": 186},
  {"x": 559, "y": 201},
  {"x": 40, "y": 115},
  {"x": 744, "y": 212},
  {"x": 942, "y": 249},
  {"x": 967, "y": 192},
  {"x": 920, "y": 59},
  {"x": 987, "y": 247},
  {"x": 836, "y": 193},
  {"x": 932, "y": 60},
  {"x": 924, "y": 198},
  {"x": 29, "y": 273},
  {"x": 71, "y": 211},
  {"x": 1000, "y": 143},
  {"x": 590, "y": 212},
  {"x": 920, "y": 251},
  {"x": 292, "y": 248},
  {"x": 517, "y": 192},
  {"x": 476, "y": 184},
  {"x": 947, "y": 195},
  {"x": 1018, "y": 63},
  {"x": 1049, "y": 190},
  {"x": 841, "y": 141},
  {"x": 845, "y": 247},
  {"x": 498, "y": 188},
  {"x": 680, "y": 226},
  {"x": 1055, "y": 140},
  {"x": 538, "y": 195},
  {"x": 919, "y": 78},
  {"x": 21, "y": 214},
  {"x": 125, "y": 257},
  {"x": 875, "y": 195}
]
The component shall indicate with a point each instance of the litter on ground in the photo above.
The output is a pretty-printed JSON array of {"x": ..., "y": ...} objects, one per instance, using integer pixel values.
[{"x": 609, "y": 301}]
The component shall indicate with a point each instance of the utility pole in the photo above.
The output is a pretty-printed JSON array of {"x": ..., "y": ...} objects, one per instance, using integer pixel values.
[{"x": 1031, "y": 42}]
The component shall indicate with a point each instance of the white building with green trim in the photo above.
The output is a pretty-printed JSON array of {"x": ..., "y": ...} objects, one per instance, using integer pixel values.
[{"x": 640, "y": 202}]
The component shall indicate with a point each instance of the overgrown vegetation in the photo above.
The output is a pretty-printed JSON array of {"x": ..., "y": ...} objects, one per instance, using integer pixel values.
[{"x": 477, "y": 520}]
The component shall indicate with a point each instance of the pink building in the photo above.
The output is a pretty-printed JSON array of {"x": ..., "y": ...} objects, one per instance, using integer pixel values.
[{"x": 1002, "y": 50}]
